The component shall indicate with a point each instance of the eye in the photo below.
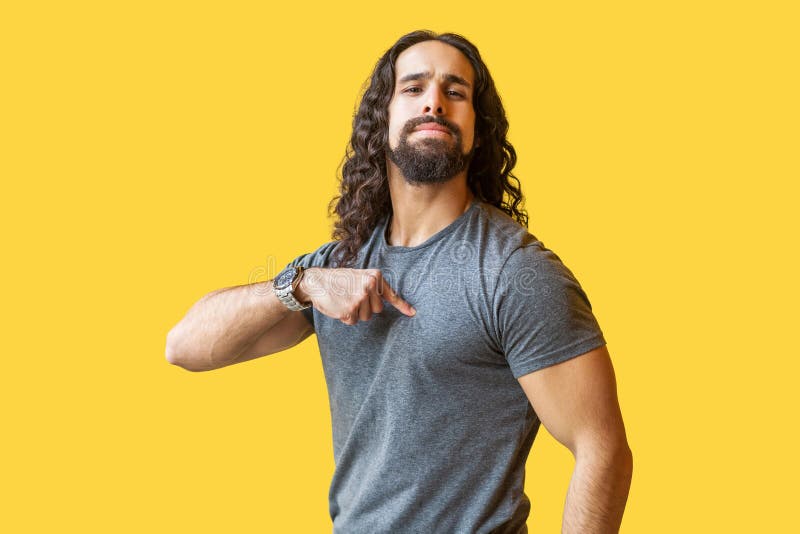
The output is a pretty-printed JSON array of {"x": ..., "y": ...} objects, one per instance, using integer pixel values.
[
  {"x": 413, "y": 89},
  {"x": 455, "y": 93}
]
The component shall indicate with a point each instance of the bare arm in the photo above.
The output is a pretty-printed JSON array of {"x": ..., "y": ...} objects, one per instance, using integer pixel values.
[
  {"x": 576, "y": 401},
  {"x": 220, "y": 328},
  {"x": 241, "y": 323}
]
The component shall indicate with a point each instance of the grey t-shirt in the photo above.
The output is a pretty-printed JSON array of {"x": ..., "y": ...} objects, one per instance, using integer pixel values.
[{"x": 431, "y": 428}]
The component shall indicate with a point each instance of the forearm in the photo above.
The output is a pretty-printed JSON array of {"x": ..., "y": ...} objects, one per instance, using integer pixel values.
[
  {"x": 222, "y": 324},
  {"x": 598, "y": 492}
]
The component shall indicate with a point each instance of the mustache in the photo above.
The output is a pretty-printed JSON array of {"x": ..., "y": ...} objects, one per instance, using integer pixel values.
[{"x": 417, "y": 121}]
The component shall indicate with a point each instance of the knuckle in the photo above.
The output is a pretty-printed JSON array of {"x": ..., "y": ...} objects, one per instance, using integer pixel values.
[{"x": 371, "y": 283}]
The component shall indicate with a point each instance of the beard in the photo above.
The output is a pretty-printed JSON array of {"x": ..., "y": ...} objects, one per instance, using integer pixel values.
[{"x": 429, "y": 160}]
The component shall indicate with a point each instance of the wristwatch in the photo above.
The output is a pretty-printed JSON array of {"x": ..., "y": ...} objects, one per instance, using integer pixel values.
[{"x": 284, "y": 285}]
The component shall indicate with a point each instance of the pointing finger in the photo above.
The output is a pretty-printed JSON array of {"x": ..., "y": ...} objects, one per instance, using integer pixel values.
[{"x": 395, "y": 300}]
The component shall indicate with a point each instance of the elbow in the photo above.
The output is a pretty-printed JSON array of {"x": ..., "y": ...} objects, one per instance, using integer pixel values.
[
  {"x": 178, "y": 356},
  {"x": 625, "y": 461},
  {"x": 621, "y": 462},
  {"x": 171, "y": 352},
  {"x": 623, "y": 454},
  {"x": 619, "y": 454},
  {"x": 613, "y": 453},
  {"x": 623, "y": 466}
]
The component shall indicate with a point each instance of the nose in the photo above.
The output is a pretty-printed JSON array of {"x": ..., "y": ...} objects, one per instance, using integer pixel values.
[{"x": 434, "y": 103}]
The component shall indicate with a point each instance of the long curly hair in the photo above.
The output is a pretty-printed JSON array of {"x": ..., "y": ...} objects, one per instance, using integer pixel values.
[{"x": 364, "y": 189}]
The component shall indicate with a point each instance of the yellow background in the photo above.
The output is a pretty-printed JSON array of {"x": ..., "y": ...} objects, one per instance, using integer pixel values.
[{"x": 152, "y": 152}]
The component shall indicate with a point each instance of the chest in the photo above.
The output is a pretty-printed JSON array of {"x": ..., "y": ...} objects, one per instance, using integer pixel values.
[{"x": 448, "y": 339}]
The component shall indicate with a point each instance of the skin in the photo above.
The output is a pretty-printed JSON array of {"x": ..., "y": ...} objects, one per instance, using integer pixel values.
[
  {"x": 421, "y": 211},
  {"x": 575, "y": 400}
]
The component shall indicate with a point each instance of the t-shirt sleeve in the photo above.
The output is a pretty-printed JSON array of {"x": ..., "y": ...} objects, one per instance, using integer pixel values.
[
  {"x": 319, "y": 258},
  {"x": 542, "y": 315}
]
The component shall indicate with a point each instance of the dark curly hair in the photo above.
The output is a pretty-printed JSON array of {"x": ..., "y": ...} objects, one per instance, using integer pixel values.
[{"x": 364, "y": 190}]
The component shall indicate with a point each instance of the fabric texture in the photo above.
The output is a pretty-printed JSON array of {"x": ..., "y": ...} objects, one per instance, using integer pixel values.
[{"x": 431, "y": 429}]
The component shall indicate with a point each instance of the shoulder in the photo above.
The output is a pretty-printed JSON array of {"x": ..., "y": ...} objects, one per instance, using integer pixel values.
[
  {"x": 321, "y": 257},
  {"x": 521, "y": 264},
  {"x": 511, "y": 245},
  {"x": 501, "y": 230}
]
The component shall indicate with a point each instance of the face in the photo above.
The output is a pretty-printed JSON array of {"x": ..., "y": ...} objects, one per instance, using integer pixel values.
[{"x": 431, "y": 118}]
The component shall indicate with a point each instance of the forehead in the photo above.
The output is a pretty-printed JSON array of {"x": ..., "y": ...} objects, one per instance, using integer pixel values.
[{"x": 436, "y": 57}]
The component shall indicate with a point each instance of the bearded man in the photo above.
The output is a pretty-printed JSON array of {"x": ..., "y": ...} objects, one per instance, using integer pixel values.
[{"x": 436, "y": 399}]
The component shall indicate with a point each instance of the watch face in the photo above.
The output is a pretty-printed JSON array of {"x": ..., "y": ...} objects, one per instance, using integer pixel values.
[{"x": 284, "y": 278}]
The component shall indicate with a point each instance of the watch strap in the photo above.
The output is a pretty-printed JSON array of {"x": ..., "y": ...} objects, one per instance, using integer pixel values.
[{"x": 286, "y": 295}]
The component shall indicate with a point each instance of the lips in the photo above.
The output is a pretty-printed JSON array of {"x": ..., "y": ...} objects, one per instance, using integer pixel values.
[{"x": 431, "y": 126}]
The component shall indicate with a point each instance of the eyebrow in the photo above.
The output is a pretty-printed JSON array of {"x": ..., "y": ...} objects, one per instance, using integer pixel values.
[{"x": 452, "y": 78}]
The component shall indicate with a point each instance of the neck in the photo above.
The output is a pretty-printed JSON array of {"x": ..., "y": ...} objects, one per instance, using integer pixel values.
[{"x": 420, "y": 211}]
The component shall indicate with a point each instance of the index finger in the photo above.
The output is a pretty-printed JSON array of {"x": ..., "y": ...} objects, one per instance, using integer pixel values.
[{"x": 387, "y": 293}]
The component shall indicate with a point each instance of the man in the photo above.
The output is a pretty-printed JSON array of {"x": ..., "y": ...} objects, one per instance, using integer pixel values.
[{"x": 437, "y": 398}]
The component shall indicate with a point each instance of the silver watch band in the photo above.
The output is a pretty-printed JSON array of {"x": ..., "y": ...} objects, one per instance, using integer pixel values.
[{"x": 286, "y": 295}]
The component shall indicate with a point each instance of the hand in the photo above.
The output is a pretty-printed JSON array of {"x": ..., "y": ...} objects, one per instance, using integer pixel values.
[{"x": 348, "y": 295}]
